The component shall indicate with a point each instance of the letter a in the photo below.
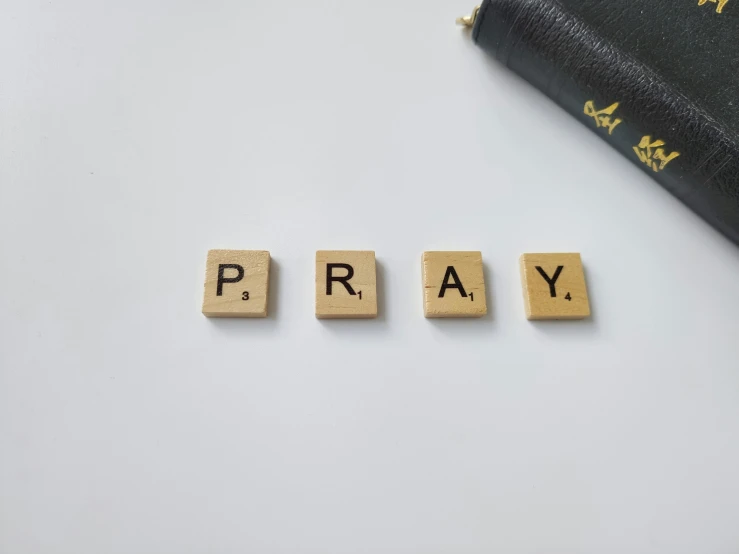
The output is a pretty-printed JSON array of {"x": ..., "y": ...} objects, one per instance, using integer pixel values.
[{"x": 451, "y": 273}]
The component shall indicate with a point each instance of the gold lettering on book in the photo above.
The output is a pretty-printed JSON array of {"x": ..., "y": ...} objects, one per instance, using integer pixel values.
[
  {"x": 602, "y": 117},
  {"x": 652, "y": 152},
  {"x": 719, "y": 7}
]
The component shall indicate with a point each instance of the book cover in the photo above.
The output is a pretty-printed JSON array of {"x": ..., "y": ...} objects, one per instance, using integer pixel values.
[{"x": 657, "y": 79}]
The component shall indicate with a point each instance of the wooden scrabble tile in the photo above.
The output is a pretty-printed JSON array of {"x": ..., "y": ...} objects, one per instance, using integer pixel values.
[
  {"x": 554, "y": 286},
  {"x": 346, "y": 284},
  {"x": 236, "y": 283},
  {"x": 453, "y": 284}
]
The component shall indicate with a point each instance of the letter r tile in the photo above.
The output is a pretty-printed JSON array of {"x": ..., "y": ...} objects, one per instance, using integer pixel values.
[
  {"x": 554, "y": 286},
  {"x": 346, "y": 284},
  {"x": 236, "y": 283}
]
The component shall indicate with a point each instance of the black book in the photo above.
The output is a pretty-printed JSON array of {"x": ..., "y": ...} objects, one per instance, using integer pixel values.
[{"x": 658, "y": 79}]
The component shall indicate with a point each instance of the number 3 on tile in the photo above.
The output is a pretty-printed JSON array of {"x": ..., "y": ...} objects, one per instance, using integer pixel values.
[{"x": 245, "y": 295}]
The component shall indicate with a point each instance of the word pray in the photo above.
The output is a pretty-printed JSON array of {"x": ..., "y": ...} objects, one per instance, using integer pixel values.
[{"x": 453, "y": 284}]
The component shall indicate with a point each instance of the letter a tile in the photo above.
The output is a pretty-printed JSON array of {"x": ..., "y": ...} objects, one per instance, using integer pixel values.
[
  {"x": 346, "y": 284},
  {"x": 236, "y": 283},
  {"x": 453, "y": 284},
  {"x": 554, "y": 286}
]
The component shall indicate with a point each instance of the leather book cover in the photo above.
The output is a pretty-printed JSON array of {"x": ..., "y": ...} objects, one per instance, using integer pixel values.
[{"x": 658, "y": 79}]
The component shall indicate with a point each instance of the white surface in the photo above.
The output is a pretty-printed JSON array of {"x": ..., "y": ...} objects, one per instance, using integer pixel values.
[{"x": 137, "y": 135}]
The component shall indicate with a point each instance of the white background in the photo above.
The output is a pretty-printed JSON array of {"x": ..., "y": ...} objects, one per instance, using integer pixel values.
[{"x": 135, "y": 136}]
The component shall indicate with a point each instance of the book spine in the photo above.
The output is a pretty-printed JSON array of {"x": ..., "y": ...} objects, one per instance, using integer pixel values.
[{"x": 624, "y": 101}]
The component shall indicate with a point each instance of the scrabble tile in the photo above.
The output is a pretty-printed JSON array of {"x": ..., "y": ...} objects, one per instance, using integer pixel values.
[
  {"x": 453, "y": 284},
  {"x": 236, "y": 283},
  {"x": 346, "y": 284},
  {"x": 554, "y": 286}
]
